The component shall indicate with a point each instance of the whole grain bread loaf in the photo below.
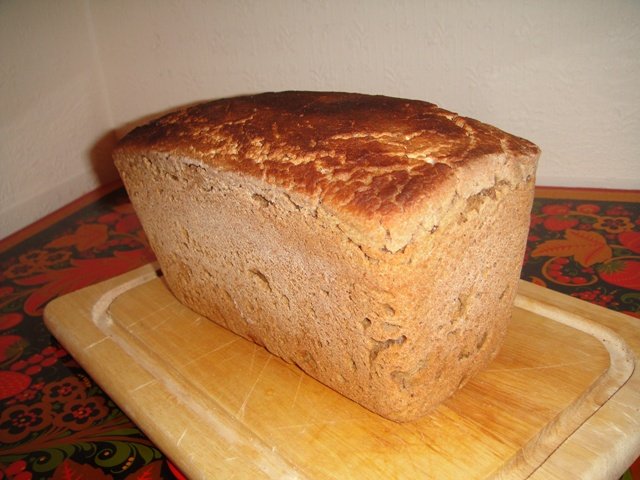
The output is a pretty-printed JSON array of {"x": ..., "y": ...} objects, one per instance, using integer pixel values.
[{"x": 374, "y": 242}]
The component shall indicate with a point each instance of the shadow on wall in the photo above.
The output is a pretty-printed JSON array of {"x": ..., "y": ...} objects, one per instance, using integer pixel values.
[
  {"x": 100, "y": 156},
  {"x": 101, "y": 152}
]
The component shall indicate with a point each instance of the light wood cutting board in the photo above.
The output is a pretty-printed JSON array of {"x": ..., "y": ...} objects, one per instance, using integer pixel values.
[{"x": 222, "y": 407}]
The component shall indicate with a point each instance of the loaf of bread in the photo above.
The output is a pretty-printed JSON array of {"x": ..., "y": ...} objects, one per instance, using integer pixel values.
[{"x": 374, "y": 242}]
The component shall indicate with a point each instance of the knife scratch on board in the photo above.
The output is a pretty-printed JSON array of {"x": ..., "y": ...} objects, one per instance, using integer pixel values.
[
  {"x": 142, "y": 385},
  {"x": 151, "y": 314},
  {"x": 181, "y": 437},
  {"x": 295, "y": 395},
  {"x": 538, "y": 367},
  {"x": 241, "y": 411},
  {"x": 209, "y": 352},
  {"x": 97, "y": 342}
]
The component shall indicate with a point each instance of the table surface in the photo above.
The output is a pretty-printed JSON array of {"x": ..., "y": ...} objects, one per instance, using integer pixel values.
[{"x": 55, "y": 422}]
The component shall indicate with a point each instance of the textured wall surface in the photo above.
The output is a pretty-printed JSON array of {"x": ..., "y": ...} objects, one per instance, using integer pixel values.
[
  {"x": 562, "y": 74},
  {"x": 53, "y": 115},
  {"x": 565, "y": 75}
]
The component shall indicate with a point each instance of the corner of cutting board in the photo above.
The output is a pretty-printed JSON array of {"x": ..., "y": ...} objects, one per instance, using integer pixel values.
[{"x": 65, "y": 316}]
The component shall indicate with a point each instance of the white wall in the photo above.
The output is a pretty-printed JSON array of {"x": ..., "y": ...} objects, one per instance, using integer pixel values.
[
  {"x": 54, "y": 120},
  {"x": 565, "y": 75}
]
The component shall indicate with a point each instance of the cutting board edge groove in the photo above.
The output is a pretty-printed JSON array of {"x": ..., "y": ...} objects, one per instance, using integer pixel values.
[{"x": 622, "y": 366}]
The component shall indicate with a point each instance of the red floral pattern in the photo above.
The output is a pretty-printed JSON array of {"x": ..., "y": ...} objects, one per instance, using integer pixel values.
[
  {"x": 18, "y": 421},
  {"x": 12, "y": 383},
  {"x": 16, "y": 471},
  {"x": 56, "y": 423},
  {"x": 79, "y": 412},
  {"x": 68, "y": 388},
  {"x": 575, "y": 249}
]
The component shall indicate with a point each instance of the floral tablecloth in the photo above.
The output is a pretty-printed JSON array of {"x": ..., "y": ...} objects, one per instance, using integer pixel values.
[{"x": 55, "y": 422}]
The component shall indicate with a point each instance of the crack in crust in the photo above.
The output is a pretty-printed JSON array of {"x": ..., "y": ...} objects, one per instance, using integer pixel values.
[
  {"x": 373, "y": 161},
  {"x": 330, "y": 145}
]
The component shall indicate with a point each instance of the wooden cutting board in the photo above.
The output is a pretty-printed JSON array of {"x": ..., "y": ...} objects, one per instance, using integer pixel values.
[{"x": 222, "y": 407}]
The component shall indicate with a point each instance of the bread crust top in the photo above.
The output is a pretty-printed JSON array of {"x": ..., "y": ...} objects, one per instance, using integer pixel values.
[{"x": 371, "y": 158}]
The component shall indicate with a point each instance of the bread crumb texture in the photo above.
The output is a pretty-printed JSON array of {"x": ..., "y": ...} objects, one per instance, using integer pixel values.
[{"x": 374, "y": 242}]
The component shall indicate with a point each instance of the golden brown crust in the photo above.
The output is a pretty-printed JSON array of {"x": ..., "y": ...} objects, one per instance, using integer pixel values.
[{"x": 370, "y": 157}]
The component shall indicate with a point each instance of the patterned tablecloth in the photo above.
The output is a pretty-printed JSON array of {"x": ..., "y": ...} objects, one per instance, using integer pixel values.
[{"x": 55, "y": 422}]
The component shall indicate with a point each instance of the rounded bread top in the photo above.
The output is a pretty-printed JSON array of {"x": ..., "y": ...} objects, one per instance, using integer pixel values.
[{"x": 368, "y": 156}]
